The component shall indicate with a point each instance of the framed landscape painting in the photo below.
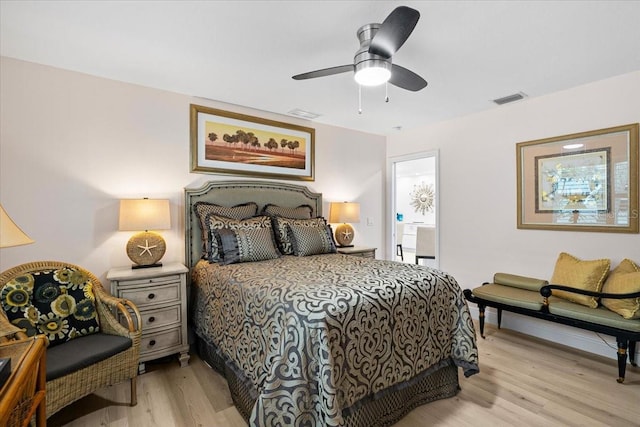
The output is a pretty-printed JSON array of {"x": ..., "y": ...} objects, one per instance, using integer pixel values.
[
  {"x": 231, "y": 143},
  {"x": 580, "y": 182}
]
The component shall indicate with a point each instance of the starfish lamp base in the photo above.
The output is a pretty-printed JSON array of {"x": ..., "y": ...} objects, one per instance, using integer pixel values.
[
  {"x": 344, "y": 235},
  {"x": 145, "y": 249}
]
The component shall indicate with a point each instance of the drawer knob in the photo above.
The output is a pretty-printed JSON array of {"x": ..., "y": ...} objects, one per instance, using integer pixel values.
[
  {"x": 151, "y": 296},
  {"x": 152, "y": 319},
  {"x": 152, "y": 343}
]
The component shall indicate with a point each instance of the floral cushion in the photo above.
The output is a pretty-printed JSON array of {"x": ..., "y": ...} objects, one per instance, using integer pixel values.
[{"x": 57, "y": 303}]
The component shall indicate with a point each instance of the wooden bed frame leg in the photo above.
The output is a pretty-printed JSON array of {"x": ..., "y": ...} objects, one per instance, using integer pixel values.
[
  {"x": 632, "y": 353},
  {"x": 622, "y": 360},
  {"x": 481, "y": 319}
]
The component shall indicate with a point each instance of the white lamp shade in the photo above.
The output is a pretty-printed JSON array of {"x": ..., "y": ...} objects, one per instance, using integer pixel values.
[
  {"x": 344, "y": 212},
  {"x": 10, "y": 233},
  {"x": 144, "y": 214}
]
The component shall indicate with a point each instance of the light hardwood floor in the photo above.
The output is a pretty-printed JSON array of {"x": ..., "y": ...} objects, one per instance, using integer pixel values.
[{"x": 523, "y": 381}]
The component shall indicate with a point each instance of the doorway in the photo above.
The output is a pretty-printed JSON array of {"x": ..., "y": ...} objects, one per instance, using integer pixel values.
[{"x": 413, "y": 215}]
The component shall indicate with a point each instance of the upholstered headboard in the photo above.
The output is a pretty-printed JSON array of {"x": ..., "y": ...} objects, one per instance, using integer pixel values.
[{"x": 231, "y": 193}]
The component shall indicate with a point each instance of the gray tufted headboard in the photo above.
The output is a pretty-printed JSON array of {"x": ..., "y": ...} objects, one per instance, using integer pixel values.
[{"x": 231, "y": 193}]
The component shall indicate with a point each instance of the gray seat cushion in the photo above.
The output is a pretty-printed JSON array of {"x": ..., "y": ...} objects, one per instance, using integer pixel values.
[
  {"x": 81, "y": 352},
  {"x": 600, "y": 315},
  {"x": 510, "y": 296}
]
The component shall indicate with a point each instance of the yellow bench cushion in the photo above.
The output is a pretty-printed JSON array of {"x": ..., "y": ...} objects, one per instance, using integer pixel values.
[
  {"x": 625, "y": 278},
  {"x": 576, "y": 273}
]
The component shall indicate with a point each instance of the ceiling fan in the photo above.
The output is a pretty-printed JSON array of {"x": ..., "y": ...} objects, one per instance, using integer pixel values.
[{"x": 372, "y": 63}]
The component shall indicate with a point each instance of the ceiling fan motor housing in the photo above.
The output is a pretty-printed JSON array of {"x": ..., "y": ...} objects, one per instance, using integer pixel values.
[{"x": 363, "y": 58}]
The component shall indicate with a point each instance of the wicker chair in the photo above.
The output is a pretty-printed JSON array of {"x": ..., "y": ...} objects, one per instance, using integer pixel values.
[{"x": 116, "y": 368}]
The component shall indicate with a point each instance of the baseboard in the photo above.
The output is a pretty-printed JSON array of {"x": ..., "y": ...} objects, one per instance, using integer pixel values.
[{"x": 602, "y": 345}]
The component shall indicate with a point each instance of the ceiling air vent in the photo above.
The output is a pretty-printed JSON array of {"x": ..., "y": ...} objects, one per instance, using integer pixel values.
[
  {"x": 510, "y": 98},
  {"x": 308, "y": 115}
]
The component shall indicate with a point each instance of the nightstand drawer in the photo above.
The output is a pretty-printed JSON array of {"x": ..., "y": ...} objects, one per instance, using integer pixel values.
[
  {"x": 157, "y": 341},
  {"x": 160, "y": 317},
  {"x": 371, "y": 254},
  {"x": 153, "y": 280},
  {"x": 152, "y": 295},
  {"x": 359, "y": 251}
]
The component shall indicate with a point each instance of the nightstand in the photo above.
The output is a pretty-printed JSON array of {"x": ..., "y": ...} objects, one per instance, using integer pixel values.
[
  {"x": 360, "y": 251},
  {"x": 160, "y": 293}
]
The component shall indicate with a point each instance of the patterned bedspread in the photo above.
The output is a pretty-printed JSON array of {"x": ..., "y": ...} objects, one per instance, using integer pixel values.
[{"x": 316, "y": 335}]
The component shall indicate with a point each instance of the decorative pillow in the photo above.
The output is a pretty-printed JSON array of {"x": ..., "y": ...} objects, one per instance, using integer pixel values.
[
  {"x": 300, "y": 212},
  {"x": 586, "y": 275},
  {"x": 311, "y": 240},
  {"x": 202, "y": 209},
  {"x": 282, "y": 234},
  {"x": 246, "y": 245},
  {"x": 624, "y": 279},
  {"x": 217, "y": 222},
  {"x": 57, "y": 303}
]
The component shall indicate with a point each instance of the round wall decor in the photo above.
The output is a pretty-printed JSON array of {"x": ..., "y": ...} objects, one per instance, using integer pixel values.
[{"x": 422, "y": 198}]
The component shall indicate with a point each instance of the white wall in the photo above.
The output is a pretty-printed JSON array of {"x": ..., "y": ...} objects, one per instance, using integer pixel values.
[
  {"x": 477, "y": 182},
  {"x": 72, "y": 145}
]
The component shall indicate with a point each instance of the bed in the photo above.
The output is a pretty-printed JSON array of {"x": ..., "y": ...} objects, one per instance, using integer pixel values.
[{"x": 322, "y": 339}]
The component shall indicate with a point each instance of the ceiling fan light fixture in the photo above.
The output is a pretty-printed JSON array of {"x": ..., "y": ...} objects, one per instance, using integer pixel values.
[{"x": 372, "y": 73}]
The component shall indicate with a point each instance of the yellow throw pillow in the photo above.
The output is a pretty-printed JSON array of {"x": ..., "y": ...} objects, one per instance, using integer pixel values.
[
  {"x": 586, "y": 275},
  {"x": 624, "y": 279}
]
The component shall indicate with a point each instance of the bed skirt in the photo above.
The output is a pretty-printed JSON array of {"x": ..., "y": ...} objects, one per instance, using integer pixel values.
[{"x": 385, "y": 409}]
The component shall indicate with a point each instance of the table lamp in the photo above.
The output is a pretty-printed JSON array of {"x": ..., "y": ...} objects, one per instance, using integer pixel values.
[
  {"x": 147, "y": 247},
  {"x": 344, "y": 213},
  {"x": 10, "y": 233}
]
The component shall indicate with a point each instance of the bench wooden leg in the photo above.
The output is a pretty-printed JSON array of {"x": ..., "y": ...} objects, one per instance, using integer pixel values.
[
  {"x": 481, "y": 319},
  {"x": 499, "y": 317},
  {"x": 632, "y": 353},
  {"x": 622, "y": 360}
]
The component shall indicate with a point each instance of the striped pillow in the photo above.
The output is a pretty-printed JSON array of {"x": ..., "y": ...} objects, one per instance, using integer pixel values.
[
  {"x": 311, "y": 240},
  {"x": 217, "y": 222},
  {"x": 202, "y": 209},
  {"x": 246, "y": 245},
  {"x": 281, "y": 232}
]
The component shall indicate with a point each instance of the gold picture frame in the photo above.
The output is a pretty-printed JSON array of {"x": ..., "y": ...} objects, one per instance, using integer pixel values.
[
  {"x": 580, "y": 182},
  {"x": 224, "y": 142}
]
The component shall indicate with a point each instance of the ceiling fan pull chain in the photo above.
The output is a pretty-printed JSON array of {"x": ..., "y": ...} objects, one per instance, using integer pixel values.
[
  {"x": 386, "y": 92},
  {"x": 359, "y": 99}
]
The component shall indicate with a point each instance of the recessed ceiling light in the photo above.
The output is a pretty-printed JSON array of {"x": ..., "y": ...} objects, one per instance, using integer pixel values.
[{"x": 308, "y": 115}]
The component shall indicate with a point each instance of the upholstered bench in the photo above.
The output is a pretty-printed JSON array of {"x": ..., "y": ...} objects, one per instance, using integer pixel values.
[{"x": 617, "y": 315}]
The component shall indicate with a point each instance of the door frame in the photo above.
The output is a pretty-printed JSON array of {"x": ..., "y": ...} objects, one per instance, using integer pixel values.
[{"x": 391, "y": 201}]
